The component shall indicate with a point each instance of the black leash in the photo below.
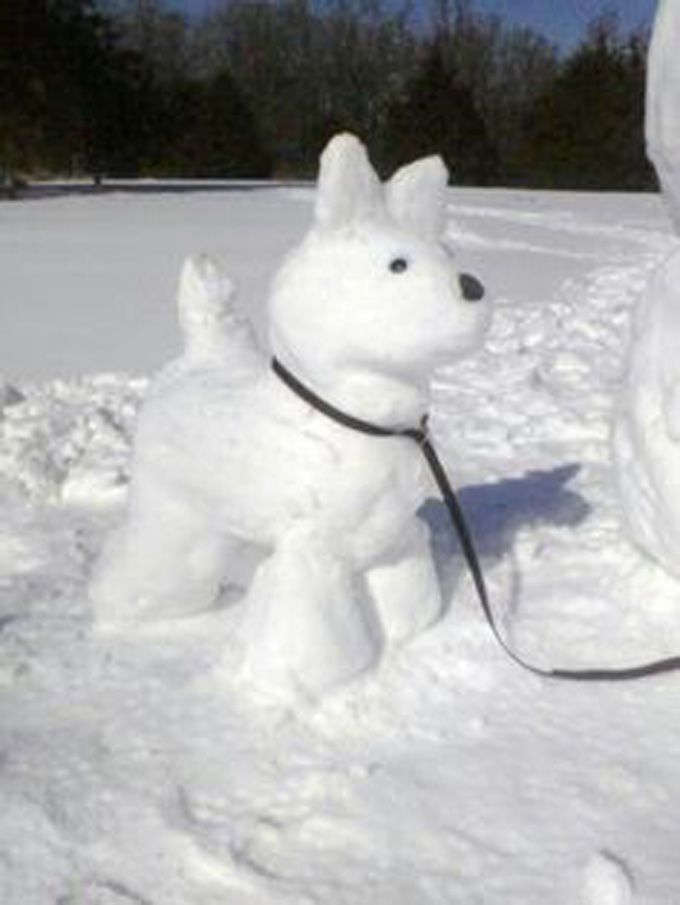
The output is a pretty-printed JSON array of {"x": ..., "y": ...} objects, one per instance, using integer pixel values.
[{"x": 420, "y": 436}]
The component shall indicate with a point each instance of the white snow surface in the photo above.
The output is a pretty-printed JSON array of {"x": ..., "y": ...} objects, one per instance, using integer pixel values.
[{"x": 134, "y": 770}]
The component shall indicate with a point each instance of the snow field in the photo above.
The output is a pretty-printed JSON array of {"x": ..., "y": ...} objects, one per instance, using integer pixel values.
[{"x": 131, "y": 770}]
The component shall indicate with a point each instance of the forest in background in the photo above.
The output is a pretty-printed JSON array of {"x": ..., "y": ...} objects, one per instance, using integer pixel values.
[{"x": 128, "y": 88}]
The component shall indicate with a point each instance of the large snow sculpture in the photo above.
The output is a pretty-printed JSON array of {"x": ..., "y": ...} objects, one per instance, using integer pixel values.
[
  {"x": 662, "y": 120},
  {"x": 227, "y": 456},
  {"x": 647, "y": 430}
]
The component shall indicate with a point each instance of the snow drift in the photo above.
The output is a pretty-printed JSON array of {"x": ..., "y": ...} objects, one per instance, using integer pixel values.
[{"x": 138, "y": 769}]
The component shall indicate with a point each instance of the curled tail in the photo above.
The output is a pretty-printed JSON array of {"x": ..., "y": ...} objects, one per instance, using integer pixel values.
[{"x": 214, "y": 332}]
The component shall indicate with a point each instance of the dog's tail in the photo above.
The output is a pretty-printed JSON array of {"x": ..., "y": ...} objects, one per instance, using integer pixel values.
[{"x": 214, "y": 331}]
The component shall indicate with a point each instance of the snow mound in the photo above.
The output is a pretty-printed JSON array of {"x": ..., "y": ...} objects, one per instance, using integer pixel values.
[
  {"x": 647, "y": 429},
  {"x": 139, "y": 769},
  {"x": 70, "y": 440}
]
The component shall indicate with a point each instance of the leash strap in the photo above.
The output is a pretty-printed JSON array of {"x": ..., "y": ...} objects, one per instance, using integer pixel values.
[{"x": 421, "y": 437}]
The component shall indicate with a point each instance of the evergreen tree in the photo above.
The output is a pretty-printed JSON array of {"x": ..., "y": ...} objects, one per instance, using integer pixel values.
[
  {"x": 127, "y": 87},
  {"x": 310, "y": 69},
  {"x": 216, "y": 133},
  {"x": 110, "y": 98},
  {"x": 36, "y": 91},
  {"x": 436, "y": 114},
  {"x": 586, "y": 131},
  {"x": 69, "y": 99}
]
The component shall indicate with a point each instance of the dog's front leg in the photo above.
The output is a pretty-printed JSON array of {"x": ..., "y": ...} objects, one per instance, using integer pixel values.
[
  {"x": 405, "y": 586},
  {"x": 306, "y": 623}
]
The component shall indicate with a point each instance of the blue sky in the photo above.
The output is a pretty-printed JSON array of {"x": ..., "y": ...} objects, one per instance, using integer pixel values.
[{"x": 563, "y": 21}]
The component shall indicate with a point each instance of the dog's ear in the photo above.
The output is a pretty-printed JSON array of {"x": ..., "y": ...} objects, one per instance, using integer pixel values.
[
  {"x": 348, "y": 189},
  {"x": 416, "y": 196}
]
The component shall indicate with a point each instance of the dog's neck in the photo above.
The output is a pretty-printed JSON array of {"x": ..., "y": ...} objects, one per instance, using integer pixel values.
[{"x": 386, "y": 400}]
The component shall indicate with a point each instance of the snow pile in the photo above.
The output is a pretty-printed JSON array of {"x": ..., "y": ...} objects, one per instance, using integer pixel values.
[
  {"x": 138, "y": 769},
  {"x": 647, "y": 435},
  {"x": 69, "y": 440}
]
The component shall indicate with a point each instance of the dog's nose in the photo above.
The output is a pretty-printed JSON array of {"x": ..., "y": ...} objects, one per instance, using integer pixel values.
[{"x": 471, "y": 288}]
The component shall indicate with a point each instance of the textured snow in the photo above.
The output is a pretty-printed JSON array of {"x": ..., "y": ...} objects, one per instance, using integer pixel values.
[
  {"x": 647, "y": 435},
  {"x": 647, "y": 432},
  {"x": 229, "y": 463},
  {"x": 138, "y": 770}
]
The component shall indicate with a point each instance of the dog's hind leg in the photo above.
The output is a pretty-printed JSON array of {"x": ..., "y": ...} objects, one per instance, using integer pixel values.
[{"x": 164, "y": 562}]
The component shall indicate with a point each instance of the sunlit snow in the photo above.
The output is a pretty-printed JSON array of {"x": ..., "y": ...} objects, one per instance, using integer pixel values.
[{"x": 135, "y": 769}]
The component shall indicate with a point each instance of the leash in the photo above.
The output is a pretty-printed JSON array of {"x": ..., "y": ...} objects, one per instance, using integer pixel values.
[{"x": 420, "y": 436}]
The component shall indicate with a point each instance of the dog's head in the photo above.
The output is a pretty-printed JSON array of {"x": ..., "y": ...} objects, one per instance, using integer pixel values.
[{"x": 373, "y": 287}]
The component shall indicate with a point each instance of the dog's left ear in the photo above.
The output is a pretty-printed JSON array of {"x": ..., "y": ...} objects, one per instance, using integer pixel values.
[
  {"x": 416, "y": 196},
  {"x": 348, "y": 189}
]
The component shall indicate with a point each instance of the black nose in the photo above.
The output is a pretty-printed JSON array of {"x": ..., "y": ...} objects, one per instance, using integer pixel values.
[{"x": 471, "y": 288}]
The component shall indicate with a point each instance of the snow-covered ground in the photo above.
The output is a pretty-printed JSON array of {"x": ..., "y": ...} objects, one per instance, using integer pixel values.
[{"x": 133, "y": 771}]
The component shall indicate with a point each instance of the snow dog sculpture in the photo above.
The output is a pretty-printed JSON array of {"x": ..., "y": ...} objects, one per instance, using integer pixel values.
[
  {"x": 226, "y": 456},
  {"x": 647, "y": 430}
]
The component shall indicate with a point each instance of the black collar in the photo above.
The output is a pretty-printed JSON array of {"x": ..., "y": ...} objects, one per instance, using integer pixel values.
[{"x": 419, "y": 434}]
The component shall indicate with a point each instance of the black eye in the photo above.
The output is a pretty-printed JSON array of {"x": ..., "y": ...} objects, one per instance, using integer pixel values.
[{"x": 399, "y": 265}]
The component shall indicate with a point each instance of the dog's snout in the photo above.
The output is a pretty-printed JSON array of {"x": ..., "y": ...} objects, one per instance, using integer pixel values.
[{"x": 472, "y": 289}]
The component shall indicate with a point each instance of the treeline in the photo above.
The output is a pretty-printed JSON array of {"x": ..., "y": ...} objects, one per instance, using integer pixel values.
[{"x": 129, "y": 88}]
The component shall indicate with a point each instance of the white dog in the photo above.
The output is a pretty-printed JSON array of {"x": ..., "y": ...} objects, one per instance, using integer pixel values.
[{"x": 227, "y": 455}]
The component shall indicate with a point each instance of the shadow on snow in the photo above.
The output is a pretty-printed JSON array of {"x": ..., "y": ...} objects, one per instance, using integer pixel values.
[{"x": 496, "y": 512}]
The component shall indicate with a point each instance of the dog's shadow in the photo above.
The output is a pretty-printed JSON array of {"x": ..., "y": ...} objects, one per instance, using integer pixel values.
[{"x": 496, "y": 512}]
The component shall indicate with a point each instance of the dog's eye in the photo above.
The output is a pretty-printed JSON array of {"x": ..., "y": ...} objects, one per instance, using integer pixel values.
[{"x": 398, "y": 265}]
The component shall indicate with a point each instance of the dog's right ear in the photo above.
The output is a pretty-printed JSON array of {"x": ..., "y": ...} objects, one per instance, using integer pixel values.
[
  {"x": 416, "y": 196},
  {"x": 348, "y": 189}
]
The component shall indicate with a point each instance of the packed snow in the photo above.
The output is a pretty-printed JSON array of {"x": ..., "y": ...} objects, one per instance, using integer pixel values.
[
  {"x": 230, "y": 463},
  {"x": 647, "y": 436},
  {"x": 137, "y": 768}
]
